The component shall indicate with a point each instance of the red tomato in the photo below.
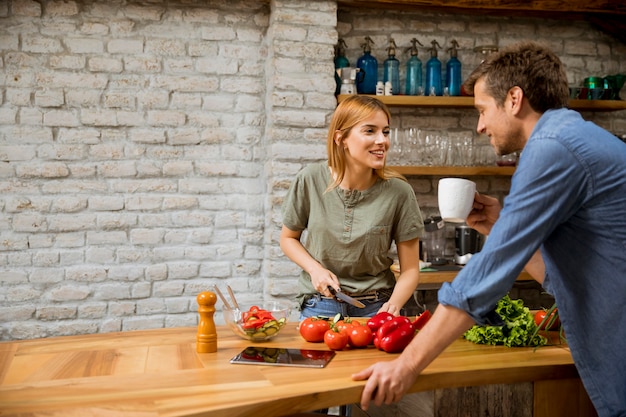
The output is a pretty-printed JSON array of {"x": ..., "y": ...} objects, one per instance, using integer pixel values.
[
  {"x": 312, "y": 329},
  {"x": 336, "y": 340},
  {"x": 345, "y": 325},
  {"x": 360, "y": 336},
  {"x": 541, "y": 315}
]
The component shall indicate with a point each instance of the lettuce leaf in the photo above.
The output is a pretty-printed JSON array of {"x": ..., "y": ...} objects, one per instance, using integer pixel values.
[{"x": 518, "y": 329}]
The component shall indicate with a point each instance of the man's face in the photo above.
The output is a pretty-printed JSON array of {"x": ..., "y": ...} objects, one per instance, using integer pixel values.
[{"x": 496, "y": 121}]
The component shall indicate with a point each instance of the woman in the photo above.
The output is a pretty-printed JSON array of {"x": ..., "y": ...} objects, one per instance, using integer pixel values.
[{"x": 352, "y": 207}]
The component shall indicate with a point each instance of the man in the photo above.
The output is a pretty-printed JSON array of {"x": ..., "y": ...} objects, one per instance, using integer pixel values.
[{"x": 564, "y": 220}]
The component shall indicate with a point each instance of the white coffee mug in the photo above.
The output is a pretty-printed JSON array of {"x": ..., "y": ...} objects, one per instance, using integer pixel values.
[{"x": 456, "y": 197}]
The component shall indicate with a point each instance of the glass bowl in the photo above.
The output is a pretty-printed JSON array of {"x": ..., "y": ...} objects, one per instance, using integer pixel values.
[{"x": 258, "y": 323}]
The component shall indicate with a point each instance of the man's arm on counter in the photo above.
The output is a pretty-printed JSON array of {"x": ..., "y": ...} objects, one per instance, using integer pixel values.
[{"x": 387, "y": 382}]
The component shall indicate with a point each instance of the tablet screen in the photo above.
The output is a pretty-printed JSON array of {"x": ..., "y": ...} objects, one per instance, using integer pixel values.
[{"x": 309, "y": 358}]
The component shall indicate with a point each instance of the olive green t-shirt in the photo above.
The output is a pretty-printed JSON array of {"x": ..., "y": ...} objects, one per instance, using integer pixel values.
[{"x": 350, "y": 232}]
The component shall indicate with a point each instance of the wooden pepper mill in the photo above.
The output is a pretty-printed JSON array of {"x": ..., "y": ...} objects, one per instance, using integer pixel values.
[{"x": 206, "y": 339}]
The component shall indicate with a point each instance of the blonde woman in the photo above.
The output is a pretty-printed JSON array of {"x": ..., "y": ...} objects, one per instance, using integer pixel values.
[{"x": 352, "y": 208}]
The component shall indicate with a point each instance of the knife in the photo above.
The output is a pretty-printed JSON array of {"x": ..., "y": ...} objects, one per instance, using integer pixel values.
[{"x": 346, "y": 298}]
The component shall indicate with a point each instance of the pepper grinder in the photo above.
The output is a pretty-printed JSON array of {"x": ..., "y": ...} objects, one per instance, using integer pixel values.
[{"x": 206, "y": 339}]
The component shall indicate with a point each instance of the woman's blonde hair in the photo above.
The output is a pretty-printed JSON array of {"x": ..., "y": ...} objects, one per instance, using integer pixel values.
[{"x": 349, "y": 113}]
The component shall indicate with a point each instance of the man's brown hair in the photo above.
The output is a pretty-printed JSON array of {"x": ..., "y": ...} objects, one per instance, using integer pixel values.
[{"x": 528, "y": 65}]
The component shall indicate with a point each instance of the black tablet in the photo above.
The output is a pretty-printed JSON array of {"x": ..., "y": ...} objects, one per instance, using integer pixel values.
[{"x": 308, "y": 358}]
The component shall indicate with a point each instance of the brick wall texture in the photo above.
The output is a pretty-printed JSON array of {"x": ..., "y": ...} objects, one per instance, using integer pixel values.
[{"x": 145, "y": 146}]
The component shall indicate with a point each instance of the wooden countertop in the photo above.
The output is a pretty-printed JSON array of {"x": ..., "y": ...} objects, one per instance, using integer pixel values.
[{"x": 158, "y": 372}]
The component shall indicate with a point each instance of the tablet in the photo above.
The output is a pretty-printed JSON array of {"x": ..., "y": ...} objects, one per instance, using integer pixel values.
[{"x": 307, "y": 358}]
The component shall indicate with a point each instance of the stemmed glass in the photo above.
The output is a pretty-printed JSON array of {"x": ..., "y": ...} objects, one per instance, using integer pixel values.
[
  {"x": 412, "y": 147},
  {"x": 397, "y": 148}
]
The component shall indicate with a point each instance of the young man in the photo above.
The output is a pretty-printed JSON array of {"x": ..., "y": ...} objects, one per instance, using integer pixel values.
[{"x": 564, "y": 220}]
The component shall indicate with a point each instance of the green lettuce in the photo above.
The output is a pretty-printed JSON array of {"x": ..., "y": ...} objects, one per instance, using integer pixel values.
[{"x": 519, "y": 327}]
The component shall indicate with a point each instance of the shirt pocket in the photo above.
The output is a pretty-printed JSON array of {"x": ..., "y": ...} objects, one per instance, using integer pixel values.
[{"x": 378, "y": 240}]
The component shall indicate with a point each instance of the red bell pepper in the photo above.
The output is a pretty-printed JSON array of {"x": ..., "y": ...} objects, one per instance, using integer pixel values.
[
  {"x": 378, "y": 320},
  {"x": 421, "y": 320},
  {"x": 394, "y": 335}
]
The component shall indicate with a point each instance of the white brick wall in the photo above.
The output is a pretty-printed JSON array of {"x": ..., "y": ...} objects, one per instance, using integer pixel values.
[{"x": 145, "y": 148}]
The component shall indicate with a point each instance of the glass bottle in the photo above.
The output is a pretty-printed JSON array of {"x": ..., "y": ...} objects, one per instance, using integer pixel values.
[
  {"x": 392, "y": 68},
  {"x": 433, "y": 73},
  {"x": 369, "y": 67},
  {"x": 453, "y": 71},
  {"x": 414, "y": 71}
]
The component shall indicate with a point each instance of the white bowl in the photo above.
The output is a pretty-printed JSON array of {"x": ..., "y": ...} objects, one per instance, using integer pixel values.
[{"x": 279, "y": 310}]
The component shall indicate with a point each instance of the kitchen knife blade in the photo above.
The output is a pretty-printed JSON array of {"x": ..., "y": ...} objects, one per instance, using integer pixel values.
[{"x": 346, "y": 298}]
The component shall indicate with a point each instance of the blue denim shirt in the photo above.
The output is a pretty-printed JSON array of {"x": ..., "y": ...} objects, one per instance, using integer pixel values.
[{"x": 567, "y": 197}]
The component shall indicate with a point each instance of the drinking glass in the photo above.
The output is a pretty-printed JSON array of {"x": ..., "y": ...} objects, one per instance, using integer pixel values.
[
  {"x": 461, "y": 144},
  {"x": 486, "y": 156},
  {"x": 429, "y": 149},
  {"x": 412, "y": 146},
  {"x": 467, "y": 154},
  {"x": 396, "y": 149},
  {"x": 445, "y": 149}
]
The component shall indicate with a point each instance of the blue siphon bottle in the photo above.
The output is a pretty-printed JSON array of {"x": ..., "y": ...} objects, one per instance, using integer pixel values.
[
  {"x": 453, "y": 71},
  {"x": 414, "y": 71},
  {"x": 369, "y": 67},
  {"x": 433, "y": 73},
  {"x": 391, "y": 68},
  {"x": 340, "y": 62}
]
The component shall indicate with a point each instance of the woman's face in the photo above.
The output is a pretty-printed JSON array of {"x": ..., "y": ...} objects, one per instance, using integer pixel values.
[{"x": 367, "y": 144}]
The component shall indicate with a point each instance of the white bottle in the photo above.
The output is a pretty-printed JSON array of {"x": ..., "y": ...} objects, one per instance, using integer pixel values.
[
  {"x": 388, "y": 88},
  {"x": 380, "y": 88}
]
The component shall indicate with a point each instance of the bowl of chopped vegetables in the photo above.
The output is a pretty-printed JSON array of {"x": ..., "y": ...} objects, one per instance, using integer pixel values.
[{"x": 258, "y": 323}]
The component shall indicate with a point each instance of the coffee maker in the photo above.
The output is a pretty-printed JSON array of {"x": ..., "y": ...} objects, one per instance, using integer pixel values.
[
  {"x": 467, "y": 243},
  {"x": 348, "y": 76}
]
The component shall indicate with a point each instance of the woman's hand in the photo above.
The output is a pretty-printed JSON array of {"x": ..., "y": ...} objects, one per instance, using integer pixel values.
[
  {"x": 389, "y": 308},
  {"x": 321, "y": 278},
  {"x": 484, "y": 214}
]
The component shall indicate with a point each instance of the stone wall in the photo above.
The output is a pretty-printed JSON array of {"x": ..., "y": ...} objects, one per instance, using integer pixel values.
[
  {"x": 145, "y": 146},
  {"x": 139, "y": 146}
]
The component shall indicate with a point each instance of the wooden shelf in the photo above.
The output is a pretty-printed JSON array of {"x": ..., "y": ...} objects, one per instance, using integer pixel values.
[
  {"x": 439, "y": 277},
  {"x": 597, "y": 105},
  {"x": 468, "y": 102},
  {"x": 604, "y": 8},
  {"x": 422, "y": 101},
  {"x": 447, "y": 276},
  {"x": 454, "y": 171}
]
